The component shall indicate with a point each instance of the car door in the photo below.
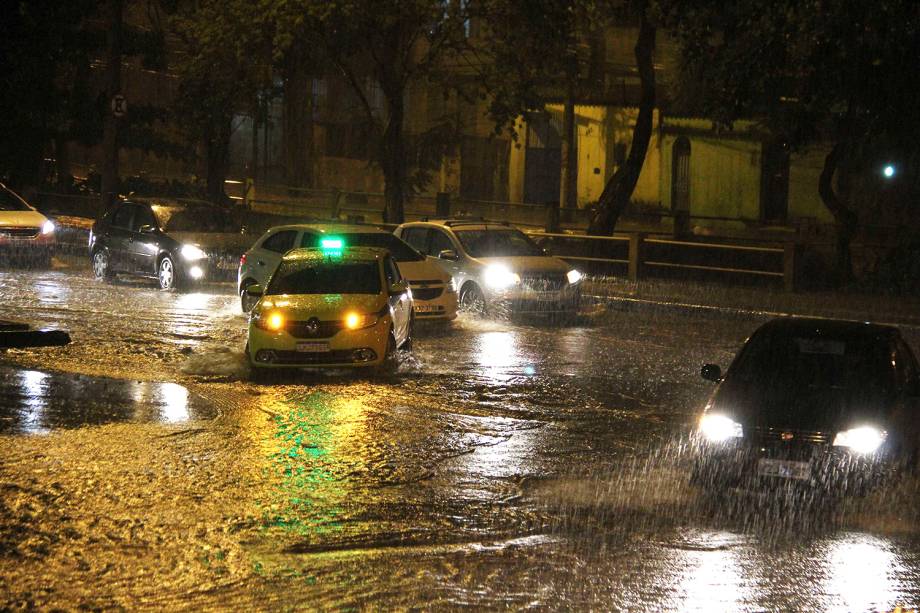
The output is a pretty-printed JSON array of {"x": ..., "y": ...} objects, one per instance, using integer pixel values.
[
  {"x": 117, "y": 238},
  {"x": 143, "y": 246},
  {"x": 400, "y": 304},
  {"x": 267, "y": 255}
]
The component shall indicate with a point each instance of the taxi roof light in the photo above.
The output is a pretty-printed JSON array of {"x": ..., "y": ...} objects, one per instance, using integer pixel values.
[{"x": 331, "y": 244}]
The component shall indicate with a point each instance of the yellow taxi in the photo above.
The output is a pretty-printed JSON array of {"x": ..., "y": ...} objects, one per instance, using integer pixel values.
[{"x": 332, "y": 306}]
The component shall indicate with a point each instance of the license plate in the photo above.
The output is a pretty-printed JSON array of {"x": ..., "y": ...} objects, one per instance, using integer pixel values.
[
  {"x": 313, "y": 347},
  {"x": 783, "y": 469},
  {"x": 426, "y": 308}
]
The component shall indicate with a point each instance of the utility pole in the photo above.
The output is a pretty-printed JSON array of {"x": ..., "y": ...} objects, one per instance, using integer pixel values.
[{"x": 114, "y": 109}]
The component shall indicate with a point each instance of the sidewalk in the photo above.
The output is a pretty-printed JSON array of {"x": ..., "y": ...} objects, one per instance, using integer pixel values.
[{"x": 902, "y": 311}]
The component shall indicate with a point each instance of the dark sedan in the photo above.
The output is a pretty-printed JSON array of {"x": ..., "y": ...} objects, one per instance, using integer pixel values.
[
  {"x": 813, "y": 403},
  {"x": 177, "y": 244}
]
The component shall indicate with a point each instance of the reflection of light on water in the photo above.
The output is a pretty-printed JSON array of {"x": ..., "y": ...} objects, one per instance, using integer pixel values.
[
  {"x": 171, "y": 399},
  {"x": 714, "y": 579},
  {"x": 860, "y": 573},
  {"x": 175, "y": 402},
  {"x": 497, "y": 351},
  {"x": 193, "y": 302},
  {"x": 34, "y": 384}
]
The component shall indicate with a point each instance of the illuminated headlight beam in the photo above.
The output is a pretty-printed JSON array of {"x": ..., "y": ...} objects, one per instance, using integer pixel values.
[
  {"x": 864, "y": 439},
  {"x": 718, "y": 428}
]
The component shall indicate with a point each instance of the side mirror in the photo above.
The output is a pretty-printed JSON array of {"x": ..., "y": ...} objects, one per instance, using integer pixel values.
[
  {"x": 147, "y": 229},
  {"x": 711, "y": 372},
  {"x": 399, "y": 288},
  {"x": 448, "y": 254},
  {"x": 255, "y": 290}
]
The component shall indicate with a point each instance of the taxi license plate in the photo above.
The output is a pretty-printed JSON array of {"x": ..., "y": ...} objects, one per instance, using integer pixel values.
[
  {"x": 313, "y": 347},
  {"x": 426, "y": 308},
  {"x": 783, "y": 469}
]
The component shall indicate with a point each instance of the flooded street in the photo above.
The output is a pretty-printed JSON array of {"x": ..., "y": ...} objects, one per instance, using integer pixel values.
[{"x": 505, "y": 464}]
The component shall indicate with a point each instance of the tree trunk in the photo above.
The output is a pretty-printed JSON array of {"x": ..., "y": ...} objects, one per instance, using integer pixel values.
[
  {"x": 109, "y": 190},
  {"x": 393, "y": 161},
  {"x": 297, "y": 135},
  {"x": 568, "y": 176},
  {"x": 218, "y": 157},
  {"x": 618, "y": 191},
  {"x": 847, "y": 221}
]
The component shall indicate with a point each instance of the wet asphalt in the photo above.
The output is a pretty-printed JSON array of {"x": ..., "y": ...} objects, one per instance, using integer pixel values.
[{"x": 506, "y": 464}]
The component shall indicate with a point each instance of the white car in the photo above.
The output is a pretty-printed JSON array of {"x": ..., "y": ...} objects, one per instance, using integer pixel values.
[
  {"x": 25, "y": 233},
  {"x": 432, "y": 288},
  {"x": 495, "y": 264}
]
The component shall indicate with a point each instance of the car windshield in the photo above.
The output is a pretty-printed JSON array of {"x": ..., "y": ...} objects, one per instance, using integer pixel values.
[
  {"x": 497, "y": 243},
  {"x": 311, "y": 277},
  {"x": 401, "y": 251},
  {"x": 11, "y": 202},
  {"x": 196, "y": 219},
  {"x": 816, "y": 362}
]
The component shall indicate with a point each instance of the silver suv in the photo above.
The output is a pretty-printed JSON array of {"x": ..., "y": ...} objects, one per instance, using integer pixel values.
[{"x": 493, "y": 263}]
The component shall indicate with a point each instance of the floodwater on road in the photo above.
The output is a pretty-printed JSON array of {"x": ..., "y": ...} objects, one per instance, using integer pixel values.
[{"x": 505, "y": 464}]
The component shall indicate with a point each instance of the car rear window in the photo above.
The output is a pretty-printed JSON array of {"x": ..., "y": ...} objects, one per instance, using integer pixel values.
[
  {"x": 399, "y": 249},
  {"x": 325, "y": 278}
]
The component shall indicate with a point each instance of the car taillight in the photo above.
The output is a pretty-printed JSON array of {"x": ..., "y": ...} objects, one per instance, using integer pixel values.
[{"x": 242, "y": 259}]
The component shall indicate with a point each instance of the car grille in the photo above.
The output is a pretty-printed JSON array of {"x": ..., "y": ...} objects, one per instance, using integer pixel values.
[
  {"x": 313, "y": 328},
  {"x": 427, "y": 293},
  {"x": 772, "y": 436},
  {"x": 544, "y": 282},
  {"x": 19, "y": 232},
  {"x": 339, "y": 356}
]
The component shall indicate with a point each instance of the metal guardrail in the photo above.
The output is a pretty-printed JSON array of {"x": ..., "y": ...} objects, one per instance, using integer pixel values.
[{"x": 643, "y": 253}]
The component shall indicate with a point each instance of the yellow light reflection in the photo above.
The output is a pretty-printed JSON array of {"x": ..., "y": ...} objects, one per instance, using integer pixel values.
[
  {"x": 497, "y": 353},
  {"x": 174, "y": 399}
]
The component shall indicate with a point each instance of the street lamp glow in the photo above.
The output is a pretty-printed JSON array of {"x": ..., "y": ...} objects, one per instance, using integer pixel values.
[{"x": 888, "y": 171}]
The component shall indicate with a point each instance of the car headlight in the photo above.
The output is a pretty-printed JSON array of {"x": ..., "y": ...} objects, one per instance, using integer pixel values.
[
  {"x": 718, "y": 428},
  {"x": 499, "y": 277},
  {"x": 864, "y": 439},
  {"x": 573, "y": 276},
  {"x": 48, "y": 227},
  {"x": 272, "y": 321},
  {"x": 192, "y": 253},
  {"x": 356, "y": 321}
]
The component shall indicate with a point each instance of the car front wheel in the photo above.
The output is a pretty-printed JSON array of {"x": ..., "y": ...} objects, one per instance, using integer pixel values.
[
  {"x": 102, "y": 269},
  {"x": 472, "y": 299},
  {"x": 166, "y": 274}
]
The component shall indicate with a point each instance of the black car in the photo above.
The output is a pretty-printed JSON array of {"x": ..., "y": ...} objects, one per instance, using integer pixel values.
[
  {"x": 176, "y": 243},
  {"x": 814, "y": 403}
]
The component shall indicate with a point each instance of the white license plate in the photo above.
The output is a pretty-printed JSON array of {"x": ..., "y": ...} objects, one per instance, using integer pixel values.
[
  {"x": 783, "y": 469},
  {"x": 426, "y": 308},
  {"x": 313, "y": 347}
]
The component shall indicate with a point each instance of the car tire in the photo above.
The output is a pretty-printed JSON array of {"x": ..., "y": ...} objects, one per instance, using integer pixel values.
[
  {"x": 167, "y": 276},
  {"x": 407, "y": 344},
  {"x": 472, "y": 299},
  {"x": 247, "y": 302},
  {"x": 388, "y": 365},
  {"x": 102, "y": 267}
]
